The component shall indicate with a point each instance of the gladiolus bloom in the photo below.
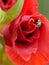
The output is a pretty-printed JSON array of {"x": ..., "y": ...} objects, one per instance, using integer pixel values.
[
  {"x": 27, "y": 40},
  {"x": 27, "y": 37}
]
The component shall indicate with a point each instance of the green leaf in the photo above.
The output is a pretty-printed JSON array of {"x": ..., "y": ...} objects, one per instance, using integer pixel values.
[
  {"x": 2, "y": 40},
  {"x": 1, "y": 53},
  {"x": 1, "y": 47},
  {"x": 6, "y": 61},
  {"x": 2, "y": 14},
  {"x": 3, "y": 57},
  {"x": 13, "y": 12},
  {"x": 48, "y": 64}
]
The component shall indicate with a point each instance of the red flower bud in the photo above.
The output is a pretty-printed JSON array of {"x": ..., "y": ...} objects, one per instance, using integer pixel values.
[{"x": 7, "y": 4}]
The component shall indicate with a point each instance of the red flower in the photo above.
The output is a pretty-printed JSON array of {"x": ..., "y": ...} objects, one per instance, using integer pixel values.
[
  {"x": 7, "y": 4},
  {"x": 27, "y": 40}
]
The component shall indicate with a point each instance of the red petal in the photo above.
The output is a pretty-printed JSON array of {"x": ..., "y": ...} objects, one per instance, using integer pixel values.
[
  {"x": 36, "y": 34},
  {"x": 26, "y": 51},
  {"x": 44, "y": 35},
  {"x": 30, "y": 7},
  {"x": 37, "y": 59},
  {"x": 15, "y": 58}
]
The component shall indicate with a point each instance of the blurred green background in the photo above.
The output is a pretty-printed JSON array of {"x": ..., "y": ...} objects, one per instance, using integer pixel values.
[{"x": 44, "y": 7}]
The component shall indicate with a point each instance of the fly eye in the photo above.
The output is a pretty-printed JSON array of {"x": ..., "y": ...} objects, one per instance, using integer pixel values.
[{"x": 38, "y": 23}]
